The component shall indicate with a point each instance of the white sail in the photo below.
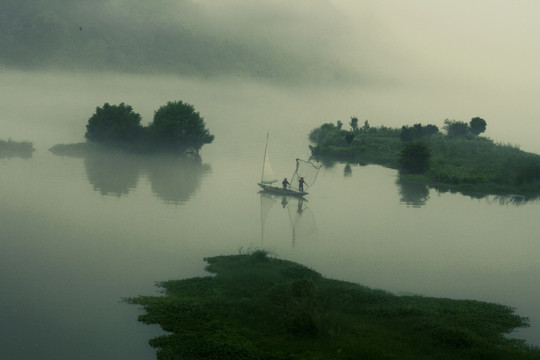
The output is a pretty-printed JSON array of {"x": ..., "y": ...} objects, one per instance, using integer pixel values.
[{"x": 268, "y": 177}]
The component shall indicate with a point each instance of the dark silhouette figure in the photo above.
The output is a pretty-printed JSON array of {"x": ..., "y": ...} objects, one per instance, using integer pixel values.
[
  {"x": 301, "y": 183},
  {"x": 285, "y": 183}
]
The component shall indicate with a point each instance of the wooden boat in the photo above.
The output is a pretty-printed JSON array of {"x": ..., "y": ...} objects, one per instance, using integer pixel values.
[
  {"x": 282, "y": 191},
  {"x": 268, "y": 178}
]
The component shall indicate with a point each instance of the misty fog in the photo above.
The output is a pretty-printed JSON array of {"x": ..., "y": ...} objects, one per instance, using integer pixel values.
[
  {"x": 84, "y": 232},
  {"x": 389, "y": 63}
]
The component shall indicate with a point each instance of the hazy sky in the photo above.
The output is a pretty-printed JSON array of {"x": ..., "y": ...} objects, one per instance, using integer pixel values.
[
  {"x": 344, "y": 41},
  {"x": 392, "y": 62}
]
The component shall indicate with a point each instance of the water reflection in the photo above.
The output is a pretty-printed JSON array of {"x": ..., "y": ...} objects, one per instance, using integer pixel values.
[
  {"x": 173, "y": 179},
  {"x": 301, "y": 219},
  {"x": 112, "y": 174},
  {"x": 347, "y": 170},
  {"x": 412, "y": 193}
]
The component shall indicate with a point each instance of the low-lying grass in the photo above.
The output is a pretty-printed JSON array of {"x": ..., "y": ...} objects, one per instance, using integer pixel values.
[{"x": 260, "y": 307}]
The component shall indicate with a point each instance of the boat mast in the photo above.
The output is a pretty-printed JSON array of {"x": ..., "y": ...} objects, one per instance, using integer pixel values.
[{"x": 264, "y": 159}]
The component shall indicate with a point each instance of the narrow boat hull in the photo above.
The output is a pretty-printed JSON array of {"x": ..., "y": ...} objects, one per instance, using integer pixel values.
[{"x": 282, "y": 191}]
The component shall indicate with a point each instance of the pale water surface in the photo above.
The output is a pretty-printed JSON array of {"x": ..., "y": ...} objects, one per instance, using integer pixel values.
[{"x": 79, "y": 233}]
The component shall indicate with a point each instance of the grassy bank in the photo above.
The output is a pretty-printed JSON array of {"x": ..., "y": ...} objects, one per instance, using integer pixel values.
[
  {"x": 259, "y": 307},
  {"x": 468, "y": 164}
]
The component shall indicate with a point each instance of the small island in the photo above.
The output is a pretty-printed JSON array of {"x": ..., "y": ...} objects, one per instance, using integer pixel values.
[
  {"x": 458, "y": 159},
  {"x": 260, "y": 307},
  {"x": 10, "y": 148},
  {"x": 176, "y": 129}
]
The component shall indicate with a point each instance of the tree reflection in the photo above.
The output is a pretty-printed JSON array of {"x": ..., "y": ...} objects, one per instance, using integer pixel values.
[
  {"x": 173, "y": 179},
  {"x": 412, "y": 193},
  {"x": 112, "y": 173}
]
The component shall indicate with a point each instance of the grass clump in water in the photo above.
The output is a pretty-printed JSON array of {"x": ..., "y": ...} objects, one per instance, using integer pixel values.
[{"x": 261, "y": 307}]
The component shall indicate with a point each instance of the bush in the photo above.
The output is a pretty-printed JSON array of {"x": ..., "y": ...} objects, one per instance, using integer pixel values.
[
  {"x": 177, "y": 126},
  {"x": 477, "y": 125},
  {"x": 414, "y": 157},
  {"x": 114, "y": 124}
]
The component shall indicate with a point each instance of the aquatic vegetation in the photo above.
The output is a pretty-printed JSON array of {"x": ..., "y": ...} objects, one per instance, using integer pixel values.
[{"x": 260, "y": 307}]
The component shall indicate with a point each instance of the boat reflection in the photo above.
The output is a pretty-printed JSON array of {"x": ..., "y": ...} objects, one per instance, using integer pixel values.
[{"x": 300, "y": 217}]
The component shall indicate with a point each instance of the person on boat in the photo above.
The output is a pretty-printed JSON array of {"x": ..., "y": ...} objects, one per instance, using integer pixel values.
[
  {"x": 285, "y": 183},
  {"x": 301, "y": 183}
]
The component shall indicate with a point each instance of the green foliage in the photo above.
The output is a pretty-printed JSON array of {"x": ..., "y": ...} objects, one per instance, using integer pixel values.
[
  {"x": 477, "y": 125},
  {"x": 260, "y": 307},
  {"x": 176, "y": 128},
  {"x": 414, "y": 157},
  {"x": 179, "y": 127},
  {"x": 456, "y": 128},
  {"x": 354, "y": 123},
  {"x": 417, "y": 131},
  {"x": 114, "y": 124},
  {"x": 473, "y": 165}
]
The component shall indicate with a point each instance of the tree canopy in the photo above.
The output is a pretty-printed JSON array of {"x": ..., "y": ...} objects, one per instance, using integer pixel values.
[
  {"x": 178, "y": 126},
  {"x": 114, "y": 124},
  {"x": 414, "y": 157},
  {"x": 477, "y": 125}
]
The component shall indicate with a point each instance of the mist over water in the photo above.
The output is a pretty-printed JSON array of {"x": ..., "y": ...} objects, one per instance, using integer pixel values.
[
  {"x": 78, "y": 233},
  {"x": 81, "y": 232}
]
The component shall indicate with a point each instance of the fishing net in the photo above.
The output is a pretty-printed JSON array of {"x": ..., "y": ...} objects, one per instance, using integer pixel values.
[{"x": 306, "y": 170}]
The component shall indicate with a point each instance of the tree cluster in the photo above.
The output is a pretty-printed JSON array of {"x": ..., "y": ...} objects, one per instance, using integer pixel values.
[
  {"x": 411, "y": 133},
  {"x": 176, "y": 128},
  {"x": 475, "y": 127}
]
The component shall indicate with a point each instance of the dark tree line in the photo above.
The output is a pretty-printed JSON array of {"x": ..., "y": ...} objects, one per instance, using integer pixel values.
[
  {"x": 475, "y": 127},
  {"x": 415, "y": 155},
  {"x": 176, "y": 128},
  {"x": 411, "y": 133}
]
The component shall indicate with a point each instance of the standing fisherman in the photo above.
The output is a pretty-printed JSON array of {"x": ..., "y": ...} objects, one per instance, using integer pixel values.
[
  {"x": 285, "y": 183},
  {"x": 301, "y": 183}
]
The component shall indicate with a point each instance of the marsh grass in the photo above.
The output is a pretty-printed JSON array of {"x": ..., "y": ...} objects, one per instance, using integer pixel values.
[{"x": 260, "y": 307}]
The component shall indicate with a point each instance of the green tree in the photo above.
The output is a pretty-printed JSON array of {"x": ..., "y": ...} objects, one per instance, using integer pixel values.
[
  {"x": 414, "y": 157},
  {"x": 477, "y": 125},
  {"x": 354, "y": 123},
  {"x": 456, "y": 128},
  {"x": 114, "y": 124},
  {"x": 178, "y": 127},
  {"x": 349, "y": 137}
]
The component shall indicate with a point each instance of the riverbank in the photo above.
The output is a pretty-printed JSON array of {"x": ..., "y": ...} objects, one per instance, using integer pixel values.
[
  {"x": 260, "y": 307},
  {"x": 473, "y": 165}
]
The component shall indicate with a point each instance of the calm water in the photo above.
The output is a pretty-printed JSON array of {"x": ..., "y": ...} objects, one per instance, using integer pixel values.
[{"x": 79, "y": 233}]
